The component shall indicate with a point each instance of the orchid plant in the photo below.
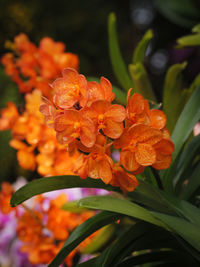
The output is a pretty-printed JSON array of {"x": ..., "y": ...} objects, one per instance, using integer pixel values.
[{"x": 78, "y": 127}]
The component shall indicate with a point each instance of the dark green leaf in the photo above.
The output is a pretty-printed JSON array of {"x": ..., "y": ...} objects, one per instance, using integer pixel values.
[
  {"x": 44, "y": 185},
  {"x": 81, "y": 232},
  {"x": 190, "y": 232},
  {"x": 140, "y": 50},
  {"x": 184, "y": 161},
  {"x": 169, "y": 257},
  {"x": 184, "y": 126},
  {"x": 193, "y": 183},
  {"x": 117, "y": 61}
]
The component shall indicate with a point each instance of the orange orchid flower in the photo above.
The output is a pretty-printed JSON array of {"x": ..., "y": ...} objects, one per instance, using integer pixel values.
[
  {"x": 71, "y": 125},
  {"x": 107, "y": 117},
  {"x": 5, "y": 196},
  {"x": 8, "y": 116},
  {"x": 164, "y": 150},
  {"x": 137, "y": 108},
  {"x": 70, "y": 90},
  {"x": 137, "y": 146},
  {"x": 123, "y": 179}
]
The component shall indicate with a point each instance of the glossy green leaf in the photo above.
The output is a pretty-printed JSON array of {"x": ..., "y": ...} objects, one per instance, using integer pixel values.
[
  {"x": 190, "y": 232},
  {"x": 141, "y": 80},
  {"x": 44, "y": 185},
  {"x": 117, "y": 61},
  {"x": 122, "y": 206},
  {"x": 184, "y": 126},
  {"x": 81, "y": 232},
  {"x": 193, "y": 183},
  {"x": 140, "y": 50},
  {"x": 120, "y": 96},
  {"x": 172, "y": 90}
]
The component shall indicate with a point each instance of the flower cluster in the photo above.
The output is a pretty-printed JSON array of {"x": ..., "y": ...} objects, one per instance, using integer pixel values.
[
  {"x": 85, "y": 120},
  {"x": 35, "y": 67},
  {"x": 36, "y": 144},
  {"x": 40, "y": 232}
]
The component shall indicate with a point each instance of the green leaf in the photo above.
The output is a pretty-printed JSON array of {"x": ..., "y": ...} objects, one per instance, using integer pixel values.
[
  {"x": 140, "y": 50},
  {"x": 184, "y": 12},
  {"x": 193, "y": 183},
  {"x": 73, "y": 207},
  {"x": 184, "y": 126},
  {"x": 122, "y": 206},
  {"x": 189, "y": 40},
  {"x": 190, "y": 232},
  {"x": 184, "y": 161},
  {"x": 168, "y": 257},
  {"x": 100, "y": 240},
  {"x": 120, "y": 96},
  {"x": 141, "y": 81},
  {"x": 196, "y": 28},
  {"x": 44, "y": 185},
  {"x": 117, "y": 61},
  {"x": 81, "y": 232},
  {"x": 172, "y": 90},
  {"x": 115, "y": 253}
]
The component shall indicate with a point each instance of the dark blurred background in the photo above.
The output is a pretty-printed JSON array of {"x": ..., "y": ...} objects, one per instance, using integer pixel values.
[{"x": 82, "y": 26}]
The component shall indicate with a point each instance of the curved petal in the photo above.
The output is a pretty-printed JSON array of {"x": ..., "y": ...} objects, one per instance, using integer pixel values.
[
  {"x": 165, "y": 147},
  {"x": 127, "y": 159},
  {"x": 116, "y": 112},
  {"x": 105, "y": 172},
  {"x": 123, "y": 141},
  {"x": 136, "y": 104},
  {"x": 145, "y": 155},
  {"x": 162, "y": 161},
  {"x": 157, "y": 119},
  {"x": 145, "y": 134},
  {"x": 113, "y": 129},
  {"x": 126, "y": 181},
  {"x": 107, "y": 87}
]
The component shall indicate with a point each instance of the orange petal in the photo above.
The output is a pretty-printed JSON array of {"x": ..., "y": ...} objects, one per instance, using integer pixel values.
[
  {"x": 145, "y": 134},
  {"x": 157, "y": 119},
  {"x": 126, "y": 181},
  {"x": 105, "y": 172},
  {"x": 162, "y": 161},
  {"x": 116, "y": 112},
  {"x": 123, "y": 141},
  {"x": 70, "y": 75},
  {"x": 107, "y": 87},
  {"x": 127, "y": 159},
  {"x": 88, "y": 136},
  {"x": 113, "y": 129},
  {"x": 145, "y": 155},
  {"x": 165, "y": 147},
  {"x": 136, "y": 103}
]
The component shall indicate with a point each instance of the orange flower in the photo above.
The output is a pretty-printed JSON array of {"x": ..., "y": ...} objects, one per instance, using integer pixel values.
[
  {"x": 123, "y": 179},
  {"x": 71, "y": 125},
  {"x": 164, "y": 150},
  {"x": 29, "y": 227},
  {"x": 97, "y": 164},
  {"x": 102, "y": 91},
  {"x": 137, "y": 146},
  {"x": 137, "y": 108},
  {"x": 107, "y": 117},
  {"x": 70, "y": 90},
  {"x": 5, "y": 196},
  {"x": 8, "y": 116},
  {"x": 157, "y": 118}
]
